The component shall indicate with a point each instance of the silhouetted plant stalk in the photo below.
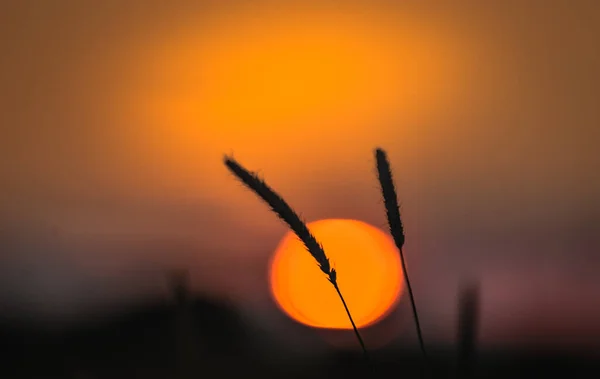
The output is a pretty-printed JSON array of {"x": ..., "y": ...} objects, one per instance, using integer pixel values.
[
  {"x": 468, "y": 320},
  {"x": 392, "y": 208},
  {"x": 290, "y": 217}
]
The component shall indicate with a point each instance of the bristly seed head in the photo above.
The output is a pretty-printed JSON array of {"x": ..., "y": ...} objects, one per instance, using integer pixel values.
[
  {"x": 390, "y": 198},
  {"x": 284, "y": 212}
]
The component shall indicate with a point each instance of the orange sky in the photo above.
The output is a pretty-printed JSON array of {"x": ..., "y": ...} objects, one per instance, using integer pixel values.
[{"x": 114, "y": 119}]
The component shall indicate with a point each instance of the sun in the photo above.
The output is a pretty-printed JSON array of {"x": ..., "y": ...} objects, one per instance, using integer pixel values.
[{"x": 368, "y": 269}]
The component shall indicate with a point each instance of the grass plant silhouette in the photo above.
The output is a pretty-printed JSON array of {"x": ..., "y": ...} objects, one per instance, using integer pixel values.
[
  {"x": 390, "y": 198},
  {"x": 290, "y": 217},
  {"x": 468, "y": 320}
]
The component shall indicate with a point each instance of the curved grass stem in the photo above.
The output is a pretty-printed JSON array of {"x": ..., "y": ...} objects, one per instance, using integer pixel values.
[{"x": 286, "y": 213}]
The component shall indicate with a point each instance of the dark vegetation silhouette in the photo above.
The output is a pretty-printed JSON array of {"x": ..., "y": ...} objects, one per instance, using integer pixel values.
[
  {"x": 190, "y": 336},
  {"x": 392, "y": 208},
  {"x": 468, "y": 322},
  {"x": 396, "y": 228},
  {"x": 144, "y": 342},
  {"x": 182, "y": 335},
  {"x": 290, "y": 217}
]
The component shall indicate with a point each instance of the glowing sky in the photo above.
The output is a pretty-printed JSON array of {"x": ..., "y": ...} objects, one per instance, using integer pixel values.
[{"x": 114, "y": 119}]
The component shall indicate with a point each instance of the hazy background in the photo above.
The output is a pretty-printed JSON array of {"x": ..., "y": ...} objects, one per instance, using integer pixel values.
[{"x": 114, "y": 117}]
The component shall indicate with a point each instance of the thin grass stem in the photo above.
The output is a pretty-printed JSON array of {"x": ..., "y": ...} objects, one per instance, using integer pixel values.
[
  {"x": 390, "y": 198},
  {"x": 360, "y": 340},
  {"x": 298, "y": 226}
]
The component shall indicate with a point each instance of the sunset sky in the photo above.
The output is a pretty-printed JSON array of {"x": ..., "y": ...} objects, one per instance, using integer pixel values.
[{"x": 115, "y": 116}]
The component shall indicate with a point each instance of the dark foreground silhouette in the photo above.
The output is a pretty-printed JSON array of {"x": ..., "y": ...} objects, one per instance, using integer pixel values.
[{"x": 198, "y": 338}]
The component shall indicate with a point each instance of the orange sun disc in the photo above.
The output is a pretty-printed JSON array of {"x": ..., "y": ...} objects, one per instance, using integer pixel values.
[{"x": 369, "y": 275}]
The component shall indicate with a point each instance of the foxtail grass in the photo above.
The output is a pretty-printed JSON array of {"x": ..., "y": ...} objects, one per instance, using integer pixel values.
[
  {"x": 390, "y": 198},
  {"x": 281, "y": 208}
]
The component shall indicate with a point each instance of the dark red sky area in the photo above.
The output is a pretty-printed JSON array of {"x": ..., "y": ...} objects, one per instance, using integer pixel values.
[{"x": 111, "y": 152}]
